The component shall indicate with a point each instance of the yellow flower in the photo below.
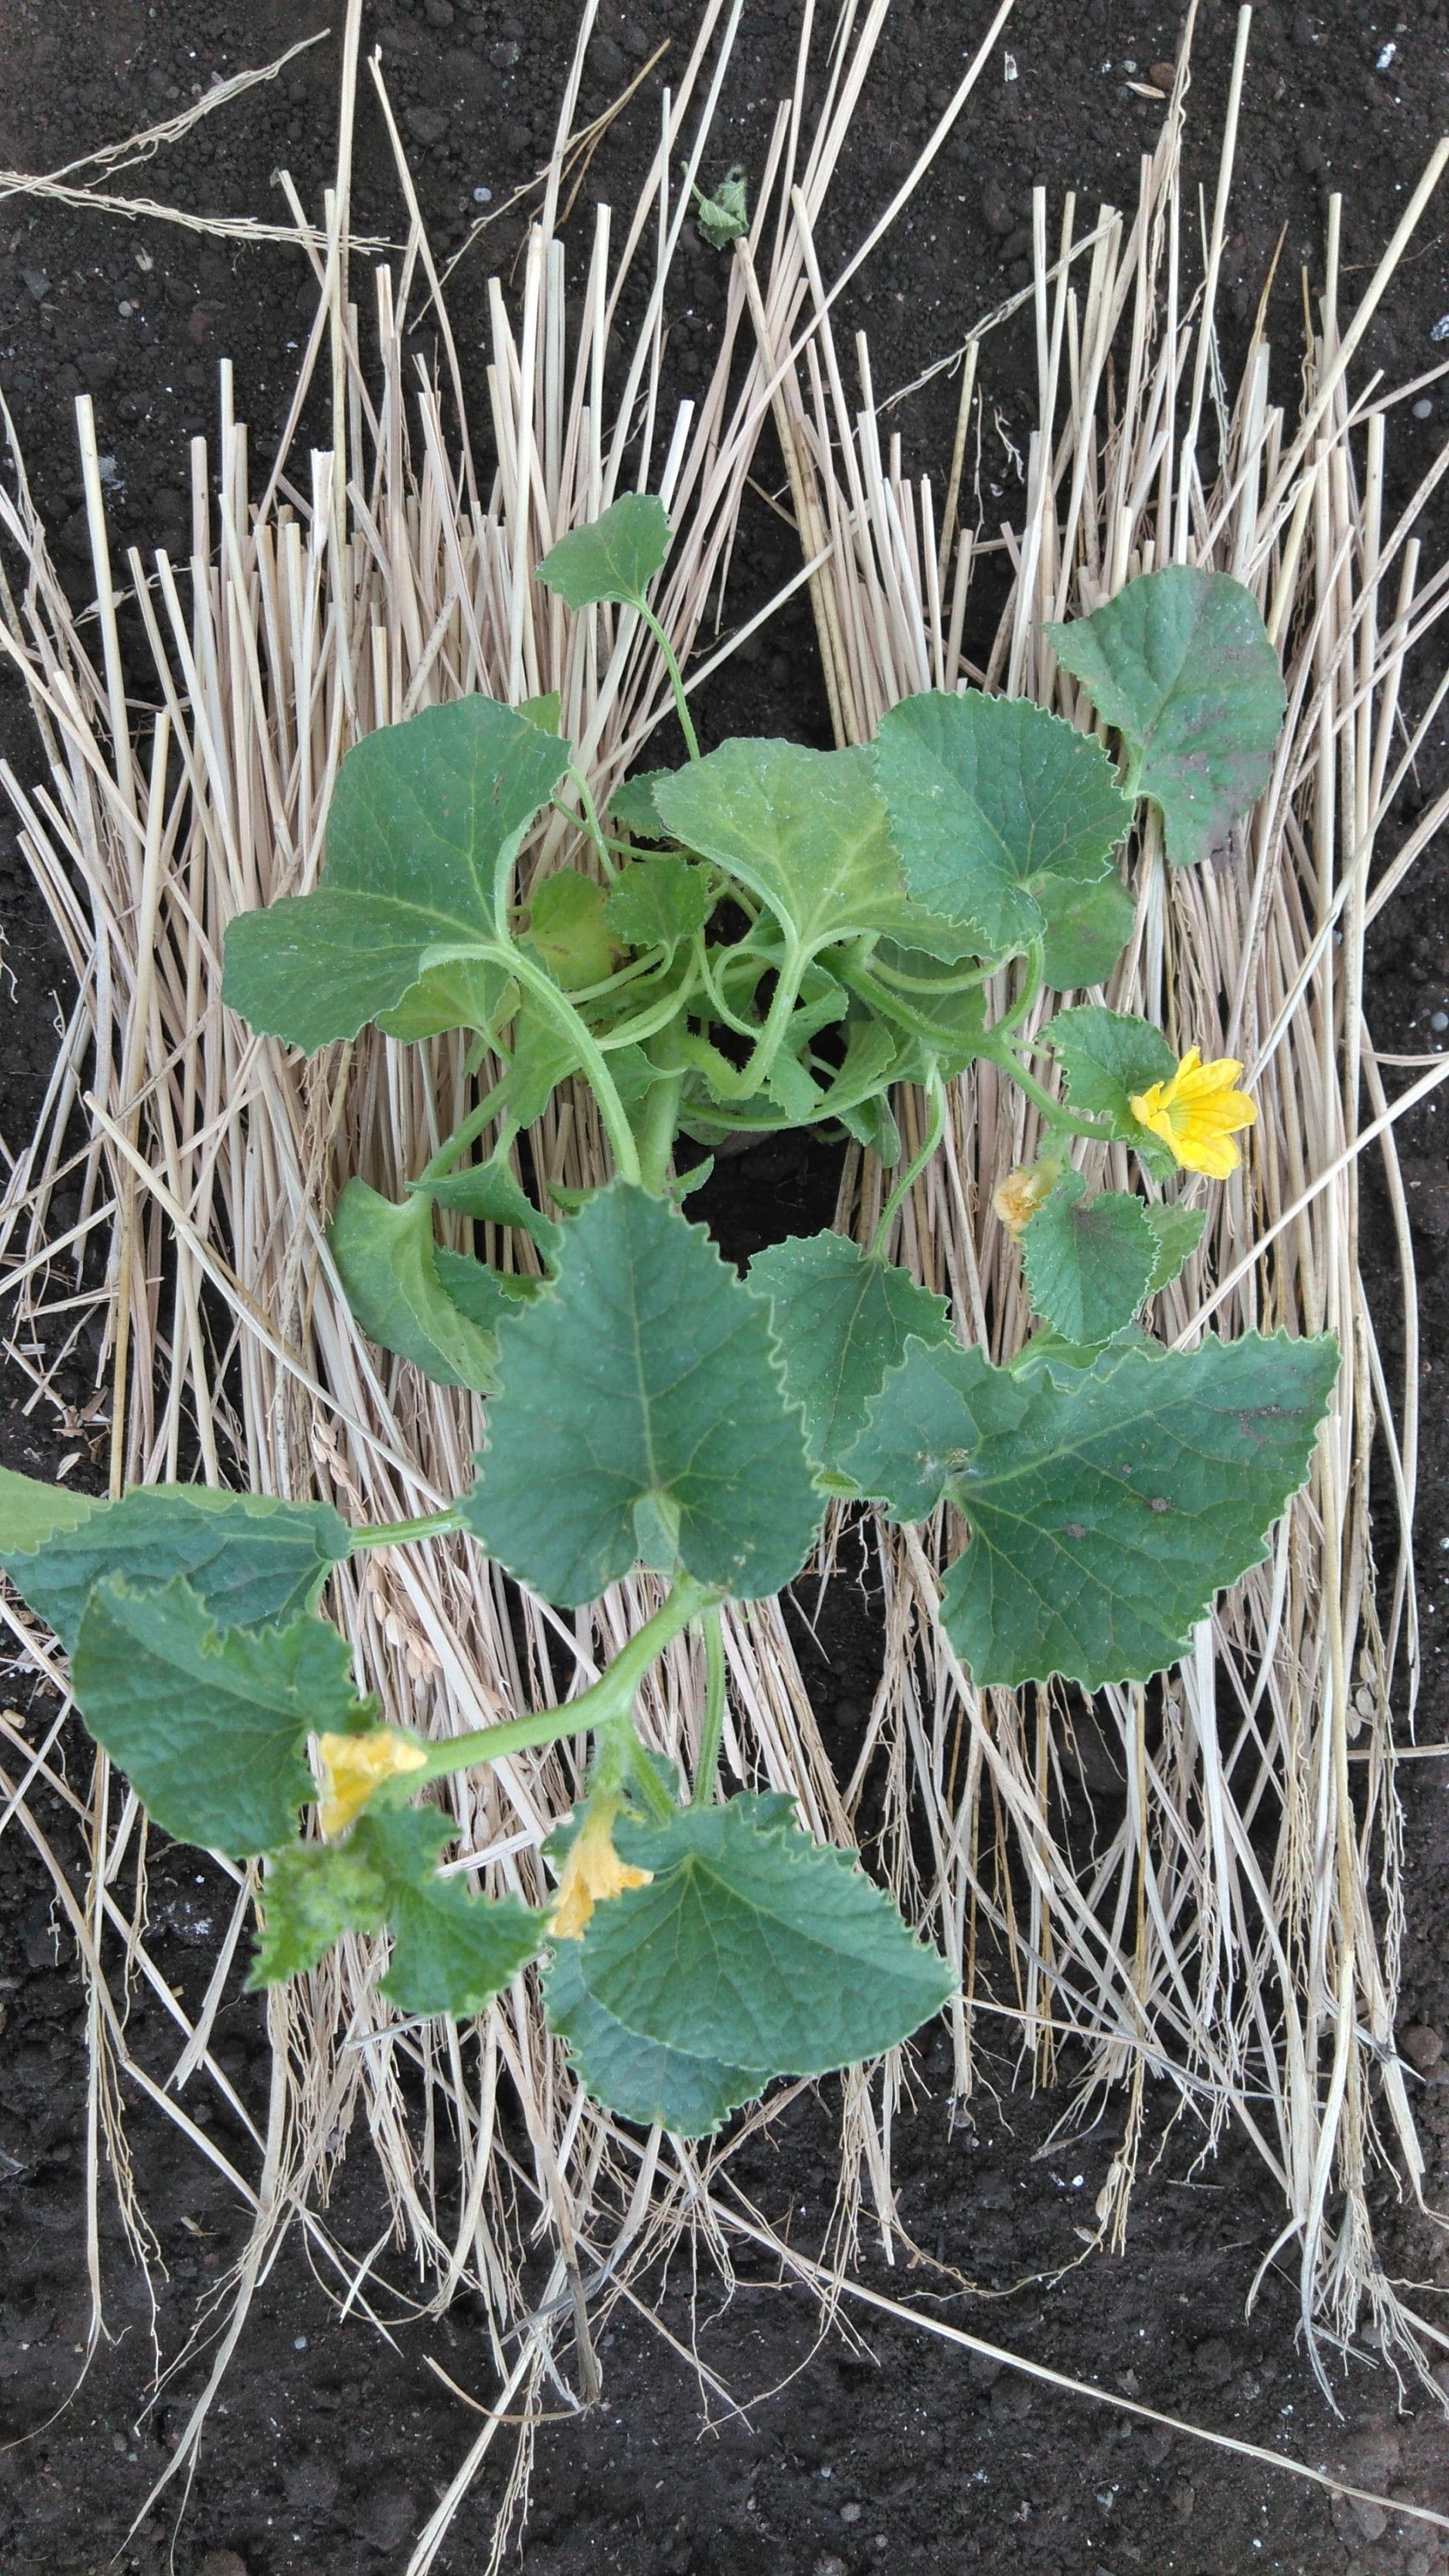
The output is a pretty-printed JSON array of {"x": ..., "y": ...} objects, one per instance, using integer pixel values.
[
  {"x": 354, "y": 1765},
  {"x": 1197, "y": 1114},
  {"x": 592, "y": 1873},
  {"x": 1017, "y": 1198}
]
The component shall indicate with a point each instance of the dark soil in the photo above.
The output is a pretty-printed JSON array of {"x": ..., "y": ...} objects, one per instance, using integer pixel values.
[{"x": 892, "y": 2451}]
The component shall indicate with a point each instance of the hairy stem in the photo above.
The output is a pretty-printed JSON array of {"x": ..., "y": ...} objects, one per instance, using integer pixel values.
[
  {"x": 914, "y": 1168},
  {"x": 712, "y": 1734},
  {"x": 402, "y": 1533},
  {"x": 676, "y": 678}
]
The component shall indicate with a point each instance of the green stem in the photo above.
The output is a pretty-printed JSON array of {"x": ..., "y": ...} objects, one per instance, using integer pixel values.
[
  {"x": 1012, "y": 1018},
  {"x": 592, "y": 823},
  {"x": 676, "y": 678},
  {"x": 669, "y": 1007},
  {"x": 931, "y": 984},
  {"x": 712, "y": 1734},
  {"x": 612, "y": 1696},
  {"x": 914, "y": 1168},
  {"x": 461, "y": 1138},
  {"x": 657, "y": 1131},
  {"x": 1052, "y": 1110},
  {"x": 591, "y": 1062},
  {"x": 401, "y": 1533}
]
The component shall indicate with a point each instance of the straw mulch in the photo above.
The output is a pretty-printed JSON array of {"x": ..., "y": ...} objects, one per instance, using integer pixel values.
[{"x": 1229, "y": 1952}]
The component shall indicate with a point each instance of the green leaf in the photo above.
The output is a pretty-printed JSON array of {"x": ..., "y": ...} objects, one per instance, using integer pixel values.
[
  {"x": 490, "y": 1193},
  {"x": 387, "y": 1262},
  {"x": 1181, "y": 664},
  {"x": 616, "y": 558},
  {"x": 1179, "y": 1232},
  {"x": 632, "y": 805},
  {"x": 1089, "y": 928},
  {"x": 566, "y": 925},
  {"x": 467, "y": 993},
  {"x": 752, "y": 1944},
  {"x": 484, "y": 1296},
  {"x": 543, "y": 1056},
  {"x": 655, "y": 903},
  {"x": 314, "y": 1893},
  {"x": 1108, "y": 1057},
  {"x": 31, "y": 1513},
  {"x": 546, "y": 712},
  {"x": 1106, "y": 1507},
  {"x": 452, "y": 1949},
  {"x": 1001, "y": 813},
  {"x": 645, "y": 1370},
  {"x": 208, "y": 1723},
  {"x": 1088, "y": 1261},
  {"x": 842, "y": 1319},
  {"x": 636, "y": 2077},
  {"x": 426, "y": 819},
  {"x": 804, "y": 830},
  {"x": 248, "y": 1557},
  {"x": 1047, "y": 1349}
]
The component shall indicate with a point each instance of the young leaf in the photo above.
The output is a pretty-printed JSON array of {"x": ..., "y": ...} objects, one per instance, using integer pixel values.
[
  {"x": 452, "y": 1950},
  {"x": 425, "y": 818},
  {"x": 566, "y": 925},
  {"x": 314, "y": 1893},
  {"x": 804, "y": 830},
  {"x": 1106, "y": 1507},
  {"x": 1107, "y": 1057},
  {"x": 615, "y": 558},
  {"x": 491, "y": 1193},
  {"x": 632, "y": 805},
  {"x": 842, "y": 1319},
  {"x": 637, "y": 2077},
  {"x": 467, "y": 993},
  {"x": 1089, "y": 927},
  {"x": 248, "y": 1557},
  {"x": 752, "y": 1944},
  {"x": 654, "y": 903},
  {"x": 1088, "y": 1262},
  {"x": 1001, "y": 813},
  {"x": 484, "y": 1296},
  {"x": 543, "y": 1057},
  {"x": 32, "y": 1513},
  {"x": 1181, "y": 664},
  {"x": 208, "y": 1723},
  {"x": 387, "y": 1262},
  {"x": 546, "y": 712},
  {"x": 646, "y": 1369},
  {"x": 1179, "y": 1232}
]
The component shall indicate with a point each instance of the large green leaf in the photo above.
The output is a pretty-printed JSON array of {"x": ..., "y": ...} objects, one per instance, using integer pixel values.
[
  {"x": 753, "y": 1945},
  {"x": 208, "y": 1723},
  {"x": 1106, "y": 1506},
  {"x": 805, "y": 830},
  {"x": 388, "y": 1264},
  {"x": 567, "y": 926},
  {"x": 1108, "y": 1057},
  {"x": 654, "y": 903},
  {"x": 1001, "y": 813},
  {"x": 426, "y": 818},
  {"x": 637, "y": 2077},
  {"x": 452, "y": 1949},
  {"x": 842, "y": 1318},
  {"x": 1088, "y": 1261},
  {"x": 641, "y": 1391},
  {"x": 1181, "y": 664},
  {"x": 31, "y": 1512},
  {"x": 616, "y": 557},
  {"x": 248, "y": 1557}
]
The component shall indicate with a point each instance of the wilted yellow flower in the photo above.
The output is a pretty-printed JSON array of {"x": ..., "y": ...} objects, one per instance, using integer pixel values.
[
  {"x": 1197, "y": 1113},
  {"x": 592, "y": 1872},
  {"x": 353, "y": 1766},
  {"x": 1017, "y": 1198}
]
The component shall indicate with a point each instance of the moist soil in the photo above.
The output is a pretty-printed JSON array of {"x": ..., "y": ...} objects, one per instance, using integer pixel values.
[{"x": 870, "y": 2445}]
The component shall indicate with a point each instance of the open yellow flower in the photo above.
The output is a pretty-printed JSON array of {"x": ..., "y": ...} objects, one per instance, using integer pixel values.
[
  {"x": 352, "y": 1766},
  {"x": 1197, "y": 1113},
  {"x": 592, "y": 1873}
]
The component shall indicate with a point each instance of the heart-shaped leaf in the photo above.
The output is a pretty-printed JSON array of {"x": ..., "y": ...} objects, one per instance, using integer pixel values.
[
  {"x": 616, "y": 557},
  {"x": 654, "y": 903},
  {"x": 388, "y": 1264},
  {"x": 842, "y": 1318},
  {"x": 636, "y": 2077},
  {"x": 248, "y": 1557},
  {"x": 1106, "y": 1506},
  {"x": 644, "y": 1375},
  {"x": 1181, "y": 664},
  {"x": 452, "y": 1949},
  {"x": 208, "y": 1723},
  {"x": 426, "y": 819},
  {"x": 1110, "y": 1057},
  {"x": 567, "y": 926},
  {"x": 1088, "y": 1261},
  {"x": 752, "y": 1945},
  {"x": 632, "y": 805},
  {"x": 1001, "y": 813}
]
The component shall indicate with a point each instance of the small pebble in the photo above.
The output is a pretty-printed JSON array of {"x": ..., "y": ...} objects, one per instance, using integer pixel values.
[
  {"x": 1384, "y": 57},
  {"x": 482, "y": 196},
  {"x": 1440, "y": 330},
  {"x": 1423, "y": 2046},
  {"x": 851, "y": 2512},
  {"x": 1423, "y": 409},
  {"x": 1439, "y": 1021}
]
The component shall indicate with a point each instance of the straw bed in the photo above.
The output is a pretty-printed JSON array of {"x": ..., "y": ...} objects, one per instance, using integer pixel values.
[{"x": 1233, "y": 1944}]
